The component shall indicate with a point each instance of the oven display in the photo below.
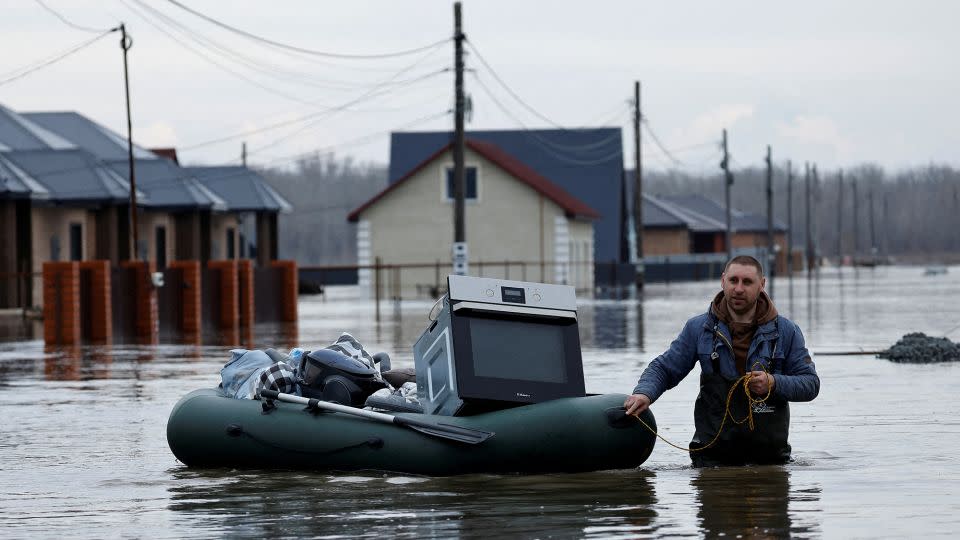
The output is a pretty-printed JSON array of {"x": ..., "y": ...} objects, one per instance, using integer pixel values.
[{"x": 513, "y": 294}]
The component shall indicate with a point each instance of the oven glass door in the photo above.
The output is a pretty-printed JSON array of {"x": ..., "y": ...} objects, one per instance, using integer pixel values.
[{"x": 516, "y": 357}]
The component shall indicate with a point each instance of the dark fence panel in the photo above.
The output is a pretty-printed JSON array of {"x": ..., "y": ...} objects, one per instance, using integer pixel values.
[
  {"x": 124, "y": 303},
  {"x": 266, "y": 294},
  {"x": 210, "y": 295},
  {"x": 313, "y": 279},
  {"x": 170, "y": 305}
]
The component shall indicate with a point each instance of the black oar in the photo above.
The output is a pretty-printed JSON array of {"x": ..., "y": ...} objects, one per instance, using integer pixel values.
[{"x": 446, "y": 431}]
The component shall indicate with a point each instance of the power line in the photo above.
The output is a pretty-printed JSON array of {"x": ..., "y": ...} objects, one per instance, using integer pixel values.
[
  {"x": 70, "y": 23},
  {"x": 26, "y": 70},
  {"x": 656, "y": 140},
  {"x": 310, "y": 116},
  {"x": 301, "y": 49},
  {"x": 510, "y": 90}
]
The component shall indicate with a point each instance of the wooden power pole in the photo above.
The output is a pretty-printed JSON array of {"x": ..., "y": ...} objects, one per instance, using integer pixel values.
[
  {"x": 771, "y": 251},
  {"x": 125, "y": 43},
  {"x": 840, "y": 220},
  {"x": 790, "y": 235},
  {"x": 459, "y": 251},
  {"x": 728, "y": 177},
  {"x": 809, "y": 223},
  {"x": 638, "y": 184}
]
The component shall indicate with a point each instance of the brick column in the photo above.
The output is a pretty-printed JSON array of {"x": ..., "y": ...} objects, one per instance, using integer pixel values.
[
  {"x": 147, "y": 324},
  {"x": 229, "y": 297},
  {"x": 101, "y": 301},
  {"x": 245, "y": 288},
  {"x": 287, "y": 275},
  {"x": 190, "y": 298},
  {"x": 61, "y": 303}
]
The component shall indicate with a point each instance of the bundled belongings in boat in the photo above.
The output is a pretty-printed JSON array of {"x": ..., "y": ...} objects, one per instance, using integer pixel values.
[
  {"x": 919, "y": 348},
  {"x": 497, "y": 388}
]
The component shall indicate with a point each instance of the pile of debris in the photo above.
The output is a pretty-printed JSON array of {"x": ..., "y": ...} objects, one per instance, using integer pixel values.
[{"x": 919, "y": 348}]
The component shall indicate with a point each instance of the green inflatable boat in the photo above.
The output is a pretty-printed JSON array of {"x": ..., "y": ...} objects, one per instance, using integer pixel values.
[{"x": 208, "y": 429}]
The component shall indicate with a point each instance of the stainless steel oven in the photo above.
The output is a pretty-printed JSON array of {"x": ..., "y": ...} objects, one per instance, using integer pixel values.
[{"x": 497, "y": 344}]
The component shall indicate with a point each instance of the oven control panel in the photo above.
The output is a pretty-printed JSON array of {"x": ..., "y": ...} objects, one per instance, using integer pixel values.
[{"x": 507, "y": 292}]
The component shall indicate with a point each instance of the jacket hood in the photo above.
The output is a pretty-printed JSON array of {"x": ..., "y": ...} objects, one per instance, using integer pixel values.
[{"x": 765, "y": 313}]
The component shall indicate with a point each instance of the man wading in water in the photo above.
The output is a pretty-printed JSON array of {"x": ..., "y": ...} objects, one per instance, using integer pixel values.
[{"x": 740, "y": 338}]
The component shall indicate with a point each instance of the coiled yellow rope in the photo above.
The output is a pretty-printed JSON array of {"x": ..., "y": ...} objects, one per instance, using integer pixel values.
[{"x": 751, "y": 402}]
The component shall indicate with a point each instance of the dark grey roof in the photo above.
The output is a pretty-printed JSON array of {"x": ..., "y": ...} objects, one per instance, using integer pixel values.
[
  {"x": 657, "y": 214},
  {"x": 243, "y": 189},
  {"x": 739, "y": 221},
  {"x": 16, "y": 183},
  {"x": 586, "y": 163},
  {"x": 72, "y": 175},
  {"x": 18, "y": 133},
  {"x": 87, "y": 134},
  {"x": 168, "y": 186}
]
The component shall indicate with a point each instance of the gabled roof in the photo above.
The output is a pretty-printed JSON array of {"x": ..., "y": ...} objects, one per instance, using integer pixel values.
[
  {"x": 73, "y": 176},
  {"x": 243, "y": 189},
  {"x": 169, "y": 186},
  {"x": 15, "y": 183},
  {"x": 714, "y": 212},
  {"x": 570, "y": 204},
  {"x": 87, "y": 134},
  {"x": 19, "y": 133},
  {"x": 586, "y": 163}
]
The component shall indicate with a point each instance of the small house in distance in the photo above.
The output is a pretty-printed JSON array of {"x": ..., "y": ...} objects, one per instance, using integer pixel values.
[{"x": 519, "y": 224}]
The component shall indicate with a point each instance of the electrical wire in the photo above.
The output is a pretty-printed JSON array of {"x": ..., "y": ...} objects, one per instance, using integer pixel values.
[
  {"x": 26, "y": 70},
  {"x": 508, "y": 89},
  {"x": 302, "y": 50},
  {"x": 550, "y": 147},
  {"x": 310, "y": 116},
  {"x": 646, "y": 124},
  {"x": 70, "y": 23}
]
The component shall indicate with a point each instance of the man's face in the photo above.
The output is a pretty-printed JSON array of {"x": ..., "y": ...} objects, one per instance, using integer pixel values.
[{"x": 741, "y": 287}]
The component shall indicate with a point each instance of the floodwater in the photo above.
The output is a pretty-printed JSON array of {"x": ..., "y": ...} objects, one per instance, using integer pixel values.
[{"x": 83, "y": 451}]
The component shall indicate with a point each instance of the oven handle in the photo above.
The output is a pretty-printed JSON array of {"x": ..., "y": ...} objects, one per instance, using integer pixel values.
[{"x": 516, "y": 310}]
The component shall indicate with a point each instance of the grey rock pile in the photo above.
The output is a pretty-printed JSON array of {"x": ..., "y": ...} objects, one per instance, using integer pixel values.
[{"x": 919, "y": 348}]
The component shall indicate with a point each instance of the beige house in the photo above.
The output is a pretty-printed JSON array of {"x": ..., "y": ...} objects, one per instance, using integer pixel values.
[{"x": 519, "y": 225}]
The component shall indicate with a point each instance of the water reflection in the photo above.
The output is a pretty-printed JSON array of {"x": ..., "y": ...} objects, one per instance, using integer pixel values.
[
  {"x": 751, "y": 502},
  {"x": 293, "y": 504}
]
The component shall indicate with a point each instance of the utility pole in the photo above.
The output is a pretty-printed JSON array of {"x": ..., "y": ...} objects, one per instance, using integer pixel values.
[
  {"x": 873, "y": 230},
  {"x": 125, "y": 43},
  {"x": 816, "y": 201},
  {"x": 459, "y": 251},
  {"x": 243, "y": 154},
  {"x": 856, "y": 223},
  {"x": 638, "y": 184},
  {"x": 840, "y": 221},
  {"x": 809, "y": 224},
  {"x": 771, "y": 252},
  {"x": 728, "y": 176},
  {"x": 789, "y": 219}
]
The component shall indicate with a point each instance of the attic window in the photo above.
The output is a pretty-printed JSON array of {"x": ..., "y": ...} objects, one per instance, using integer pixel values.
[{"x": 470, "y": 184}]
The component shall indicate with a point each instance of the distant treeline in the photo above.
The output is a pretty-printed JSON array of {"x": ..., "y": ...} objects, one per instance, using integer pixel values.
[
  {"x": 915, "y": 212},
  {"x": 323, "y": 190}
]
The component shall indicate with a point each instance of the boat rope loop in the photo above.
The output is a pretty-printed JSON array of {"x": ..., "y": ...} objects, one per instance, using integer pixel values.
[
  {"x": 235, "y": 430},
  {"x": 743, "y": 381}
]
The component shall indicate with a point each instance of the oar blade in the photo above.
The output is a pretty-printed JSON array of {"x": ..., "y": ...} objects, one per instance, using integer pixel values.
[{"x": 453, "y": 433}]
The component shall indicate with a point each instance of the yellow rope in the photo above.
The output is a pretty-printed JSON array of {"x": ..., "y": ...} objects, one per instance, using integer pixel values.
[{"x": 751, "y": 401}]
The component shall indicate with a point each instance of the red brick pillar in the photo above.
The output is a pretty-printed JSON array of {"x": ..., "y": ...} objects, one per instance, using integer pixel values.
[
  {"x": 229, "y": 299},
  {"x": 100, "y": 312},
  {"x": 245, "y": 284},
  {"x": 147, "y": 324},
  {"x": 190, "y": 298},
  {"x": 287, "y": 274},
  {"x": 61, "y": 303}
]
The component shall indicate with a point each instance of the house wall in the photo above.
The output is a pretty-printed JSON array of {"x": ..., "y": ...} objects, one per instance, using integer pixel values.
[
  {"x": 147, "y": 223},
  {"x": 666, "y": 241},
  {"x": 509, "y": 221},
  {"x": 219, "y": 223},
  {"x": 54, "y": 222}
]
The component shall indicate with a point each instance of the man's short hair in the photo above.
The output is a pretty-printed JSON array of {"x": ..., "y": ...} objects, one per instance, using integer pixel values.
[{"x": 745, "y": 260}]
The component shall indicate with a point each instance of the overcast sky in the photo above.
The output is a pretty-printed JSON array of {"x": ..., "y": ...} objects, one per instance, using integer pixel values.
[{"x": 836, "y": 83}]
